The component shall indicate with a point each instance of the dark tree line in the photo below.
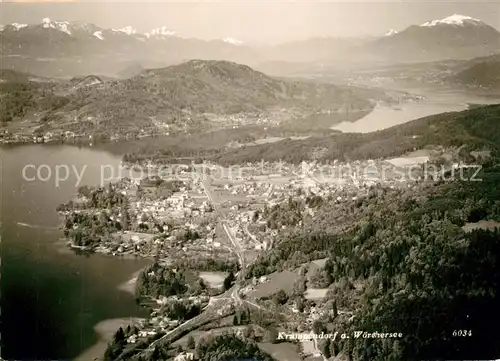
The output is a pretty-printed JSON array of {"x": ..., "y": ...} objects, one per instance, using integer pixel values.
[
  {"x": 156, "y": 280},
  {"x": 229, "y": 347}
]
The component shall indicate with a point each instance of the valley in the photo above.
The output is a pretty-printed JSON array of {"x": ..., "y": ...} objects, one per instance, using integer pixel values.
[{"x": 320, "y": 199}]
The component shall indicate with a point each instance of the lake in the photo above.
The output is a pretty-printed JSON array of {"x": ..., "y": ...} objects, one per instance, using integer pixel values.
[
  {"x": 51, "y": 297},
  {"x": 383, "y": 116}
]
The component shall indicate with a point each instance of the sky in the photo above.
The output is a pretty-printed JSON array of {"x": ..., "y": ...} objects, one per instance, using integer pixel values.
[{"x": 255, "y": 21}]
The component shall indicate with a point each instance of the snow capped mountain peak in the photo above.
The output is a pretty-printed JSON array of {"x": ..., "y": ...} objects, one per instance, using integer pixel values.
[
  {"x": 391, "y": 32},
  {"x": 458, "y": 20},
  {"x": 59, "y": 25},
  {"x": 18, "y": 26},
  {"x": 129, "y": 30},
  {"x": 161, "y": 31},
  {"x": 2, "y": 27},
  {"x": 232, "y": 41},
  {"x": 83, "y": 27},
  {"x": 98, "y": 35}
]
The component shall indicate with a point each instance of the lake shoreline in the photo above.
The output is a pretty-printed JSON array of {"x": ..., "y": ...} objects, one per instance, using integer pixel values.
[
  {"x": 388, "y": 116},
  {"x": 105, "y": 330},
  {"x": 385, "y": 116},
  {"x": 130, "y": 285},
  {"x": 35, "y": 246}
]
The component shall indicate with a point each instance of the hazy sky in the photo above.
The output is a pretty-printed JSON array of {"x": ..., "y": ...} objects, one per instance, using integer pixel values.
[{"x": 256, "y": 21}]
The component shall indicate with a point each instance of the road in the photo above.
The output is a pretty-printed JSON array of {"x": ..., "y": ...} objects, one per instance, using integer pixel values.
[
  {"x": 237, "y": 248},
  {"x": 210, "y": 313},
  {"x": 234, "y": 241},
  {"x": 208, "y": 192},
  {"x": 239, "y": 251},
  {"x": 254, "y": 239},
  {"x": 241, "y": 259},
  {"x": 254, "y": 304}
]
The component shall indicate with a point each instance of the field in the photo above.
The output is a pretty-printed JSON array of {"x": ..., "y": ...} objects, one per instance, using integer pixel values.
[
  {"x": 319, "y": 262},
  {"x": 274, "y": 179},
  {"x": 469, "y": 227},
  {"x": 284, "y": 351},
  {"x": 251, "y": 255},
  {"x": 408, "y": 161},
  {"x": 316, "y": 293},
  {"x": 221, "y": 236},
  {"x": 136, "y": 237},
  {"x": 213, "y": 279},
  {"x": 276, "y": 281},
  {"x": 314, "y": 266},
  {"x": 227, "y": 196},
  {"x": 264, "y": 141},
  {"x": 308, "y": 347},
  {"x": 197, "y": 334}
]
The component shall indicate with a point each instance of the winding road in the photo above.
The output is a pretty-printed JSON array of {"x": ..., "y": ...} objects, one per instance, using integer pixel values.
[{"x": 211, "y": 311}]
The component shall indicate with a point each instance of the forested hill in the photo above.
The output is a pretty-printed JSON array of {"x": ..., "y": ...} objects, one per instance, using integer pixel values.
[
  {"x": 189, "y": 96},
  {"x": 476, "y": 128},
  {"x": 416, "y": 261},
  {"x": 218, "y": 87},
  {"x": 404, "y": 261},
  {"x": 481, "y": 72}
]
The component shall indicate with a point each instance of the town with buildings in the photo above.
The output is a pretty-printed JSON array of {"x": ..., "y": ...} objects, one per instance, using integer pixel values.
[{"x": 206, "y": 212}]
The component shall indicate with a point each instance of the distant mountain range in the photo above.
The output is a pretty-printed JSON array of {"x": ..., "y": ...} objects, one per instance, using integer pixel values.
[
  {"x": 481, "y": 73},
  {"x": 62, "y": 48}
]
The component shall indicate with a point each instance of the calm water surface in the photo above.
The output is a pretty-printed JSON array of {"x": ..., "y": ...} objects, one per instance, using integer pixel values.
[
  {"x": 383, "y": 117},
  {"x": 50, "y": 297}
]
